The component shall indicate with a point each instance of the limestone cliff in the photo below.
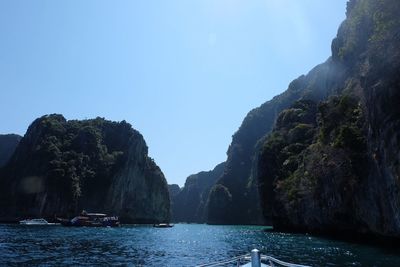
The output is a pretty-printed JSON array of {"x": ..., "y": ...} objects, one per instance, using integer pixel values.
[
  {"x": 173, "y": 190},
  {"x": 61, "y": 167},
  {"x": 190, "y": 204},
  {"x": 363, "y": 70},
  {"x": 337, "y": 171},
  {"x": 8, "y": 143},
  {"x": 239, "y": 177},
  {"x": 139, "y": 192}
]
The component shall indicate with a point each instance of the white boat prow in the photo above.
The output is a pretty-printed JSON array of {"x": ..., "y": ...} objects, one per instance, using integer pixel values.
[
  {"x": 250, "y": 265},
  {"x": 254, "y": 259}
]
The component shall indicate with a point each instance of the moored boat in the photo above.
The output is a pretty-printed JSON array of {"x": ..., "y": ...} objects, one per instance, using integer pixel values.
[
  {"x": 163, "y": 225},
  {"x": 92, "y": 220},
  {"x": 40, "y": 221}
]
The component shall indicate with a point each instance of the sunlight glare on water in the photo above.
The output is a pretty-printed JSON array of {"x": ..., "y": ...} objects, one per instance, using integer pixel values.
[{"x": 182, "y": 245}]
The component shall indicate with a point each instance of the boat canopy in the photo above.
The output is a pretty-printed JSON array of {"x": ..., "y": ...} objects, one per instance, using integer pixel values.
[{"x": 96, "y": 214}]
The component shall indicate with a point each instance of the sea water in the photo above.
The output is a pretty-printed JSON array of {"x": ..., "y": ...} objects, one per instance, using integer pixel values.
[{"x": 182, "y": 245}]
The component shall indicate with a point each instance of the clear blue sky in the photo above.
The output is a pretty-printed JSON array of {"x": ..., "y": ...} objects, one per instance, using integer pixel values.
[{"x": 182, "y": 72}]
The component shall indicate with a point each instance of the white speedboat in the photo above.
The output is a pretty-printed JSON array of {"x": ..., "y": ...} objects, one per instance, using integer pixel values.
[
  {"x": 254, "y": 259},
  {"x": 36, "y": 222},
  {"x": 163, "y": 225}
]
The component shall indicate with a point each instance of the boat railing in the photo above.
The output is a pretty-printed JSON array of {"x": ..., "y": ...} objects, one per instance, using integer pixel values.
[
  {"x": 272, "y": 262},
  {"x": 238, "y": 259},
  {"x": 255, "y": 259}
]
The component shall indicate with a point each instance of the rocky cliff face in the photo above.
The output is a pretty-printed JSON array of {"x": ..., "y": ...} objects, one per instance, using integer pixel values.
[
  {"x": 8, "y": 143},
  {"x": 335, "y": 168},
  {"x": 139, "y": 191},
  {"x": 190, "y": 204},
  {"x": 173, "y": 190},
  {"x": 239, "y": 177},
  {"x": 61, "y": 167}
]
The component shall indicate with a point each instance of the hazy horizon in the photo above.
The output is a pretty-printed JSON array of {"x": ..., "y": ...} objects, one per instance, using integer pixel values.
[{"x": 183, "y": 73}]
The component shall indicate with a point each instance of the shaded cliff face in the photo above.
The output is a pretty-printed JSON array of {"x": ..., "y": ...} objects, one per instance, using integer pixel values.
[
  {"x": 61, "y": 167},
  {"x": 139, "y": 191},
  {"x": 8, "y": 143},
  {"x": 173, "y": 190},
  {"x": 190, "y": 204},
  {"x": 344, "y": 176},
  {"x": 317, "y": 156},
  {"x": 239, "y": 178}
]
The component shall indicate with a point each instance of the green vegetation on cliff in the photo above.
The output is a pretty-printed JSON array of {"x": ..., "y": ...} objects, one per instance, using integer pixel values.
[
  {"x": 62, "y": 167},
  {"x": 240, "y": 175},
  {"x": 340, "y": 173},
  {"x": 309, "y": 149},
  {"x": 324, "y": 154}
]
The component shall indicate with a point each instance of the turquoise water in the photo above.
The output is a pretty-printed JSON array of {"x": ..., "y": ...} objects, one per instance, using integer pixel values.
[{"x": 182, "y": 245}]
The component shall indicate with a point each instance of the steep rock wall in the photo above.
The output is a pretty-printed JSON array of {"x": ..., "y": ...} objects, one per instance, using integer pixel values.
[
  {"x": 61, "y": 167},
  {"x": 346, "y": 180},
  {"x": 240, "y": 175},
  {"x": 190, "y": 204},
  {"x": 8, "y": 143}
]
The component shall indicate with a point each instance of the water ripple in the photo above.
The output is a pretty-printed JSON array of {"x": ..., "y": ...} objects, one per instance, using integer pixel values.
[{"x": 182, "y": 245}]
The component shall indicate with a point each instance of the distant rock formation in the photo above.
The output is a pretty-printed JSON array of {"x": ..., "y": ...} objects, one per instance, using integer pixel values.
[
  {"x": 173, "y": 190},
  {"x": 62, "y": 167},
  {"x": 190, "y": 204},
  {"x": 8, "y": 143}
]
